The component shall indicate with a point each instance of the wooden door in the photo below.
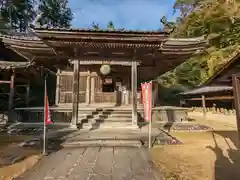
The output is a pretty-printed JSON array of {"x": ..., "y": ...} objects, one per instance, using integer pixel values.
[
  {"x": 99, "y": 95},
  {"x": 65, "y": 88}
]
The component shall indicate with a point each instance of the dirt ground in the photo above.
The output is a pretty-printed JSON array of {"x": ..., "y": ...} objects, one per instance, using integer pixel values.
[
  {"x": 203, "y": 156},
  {"x": 9, "y": 147}
]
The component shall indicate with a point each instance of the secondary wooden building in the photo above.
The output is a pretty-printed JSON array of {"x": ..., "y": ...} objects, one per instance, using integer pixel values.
[{"x": 217, "y": 90}]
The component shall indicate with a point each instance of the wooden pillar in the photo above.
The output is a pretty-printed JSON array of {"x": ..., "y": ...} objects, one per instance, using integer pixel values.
[
  {"x": 27, "y": 94},
  {"x": 204, "y": 106},
  {"x": 75, "y": 94},
  {"x": 88, "y": 88},
  {"x": 92, "y": 88},
  {"x": 57, "y": 87},
  {"x": 11, "y": 98},
  {"x": 236, "y": 94},
  {"x": 134, "y": 92}
]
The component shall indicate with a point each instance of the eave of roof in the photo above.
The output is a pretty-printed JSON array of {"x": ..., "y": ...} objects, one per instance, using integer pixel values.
[
  {"x": 207, "y": 89},
  {"x": 160, "y": 42},
  {"x": 14, "y": 65},
  {"x": 23, "y": 44},
  {"x": 106, "y": 36},
  {"x": 124, "y": 31}
]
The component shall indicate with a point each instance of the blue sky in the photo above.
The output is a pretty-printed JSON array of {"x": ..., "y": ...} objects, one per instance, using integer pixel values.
[{"x": 129, "y": 14}]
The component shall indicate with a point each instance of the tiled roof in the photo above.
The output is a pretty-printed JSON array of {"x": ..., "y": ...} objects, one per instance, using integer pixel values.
[
  {"x": 207, "y": 89},
  {"x": 20, "y": 36},
  {"x": 103, "y": 30}
]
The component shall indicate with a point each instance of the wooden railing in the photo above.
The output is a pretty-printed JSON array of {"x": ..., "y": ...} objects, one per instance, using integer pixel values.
[
  {"x": 105, "y": 97},
  {"x": 65, "y": 97},
  {"x": 35, "y": 114}
]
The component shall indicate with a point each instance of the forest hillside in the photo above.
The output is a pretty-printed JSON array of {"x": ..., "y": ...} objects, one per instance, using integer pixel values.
[{"x": 219, "y": 22}]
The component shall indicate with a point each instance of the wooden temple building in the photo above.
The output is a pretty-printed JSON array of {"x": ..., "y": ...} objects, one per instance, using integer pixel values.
[
  {"x": 100, "y": 68},
  {"x": 217, "y": 90}
]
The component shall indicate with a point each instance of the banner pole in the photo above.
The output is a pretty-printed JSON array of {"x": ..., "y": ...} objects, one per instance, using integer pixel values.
[
  {"x": 149, "y": 135},
  {"x": 44, "y": 117},
  {"x": 150, "y": 116}
]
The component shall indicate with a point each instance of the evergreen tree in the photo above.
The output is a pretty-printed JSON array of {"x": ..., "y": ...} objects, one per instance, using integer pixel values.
[
  {"x": 219, "y": 22},
  {"x": 3, "y": 26},
  {"x": 110, "y": 26},
  {"x": 18, "y": 13},
  {"x": 55, "y": 14},
  {"x": 95, "y": 26}
]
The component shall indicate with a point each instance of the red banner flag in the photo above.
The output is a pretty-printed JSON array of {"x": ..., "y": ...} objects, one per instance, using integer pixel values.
[
  {"x": 47, "y": 110},
  {"x": 147, "y": 100}
]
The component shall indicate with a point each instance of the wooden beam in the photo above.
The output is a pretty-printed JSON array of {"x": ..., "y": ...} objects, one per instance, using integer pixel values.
[
  {"x": 92, "y": 95},
  {"x": 75, "y": 94},
  {"x": 105, "y": 44},
  {"x": 116, "y": 59},
  {"x": 14, "y": 64},
  {"x": 88, "y": 89},
  {"x": 204, "y": 106},
  {"x": 105, "y": 61},
  {"x": 11, "y": 98},
  {"x": 57, "y": 87},
  {"x": 22, "y": 44},
  {"x": 10, "y": 40},
  {"x": 78, "y": 39},
  {"x": 32, "y": 48},
  {"x": 4, "y": 82},
  {"x": 110, "y": 58}
]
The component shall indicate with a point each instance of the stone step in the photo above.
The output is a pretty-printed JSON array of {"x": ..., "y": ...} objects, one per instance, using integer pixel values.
[
  {"x": 115, "y": 115},
  {"x": 106, "y": 118},
  {"x": 113, "y": 125},
  {"x": 115, "y": 112},
  {"x": 105, "y": 143},
  {"x": 87, "y": 125},
  {"x": 105, "y": 110},
  {"x": 80, "y": 116},
  {"x": 112, "y": 119},
  {"x": 107, "y": 125},
  {"x": 106, "y": 113}
]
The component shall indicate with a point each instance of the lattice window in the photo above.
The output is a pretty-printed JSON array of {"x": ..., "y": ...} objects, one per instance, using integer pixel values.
[
  {"x": 65, "y": 88},
  {"x": 82, "y": 83},
  {"x": 66, "y": 82},
  {"x": 98, "y": 84}
]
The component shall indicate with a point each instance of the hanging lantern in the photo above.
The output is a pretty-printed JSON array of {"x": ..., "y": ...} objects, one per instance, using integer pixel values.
[{"x": 105, "y": 69}]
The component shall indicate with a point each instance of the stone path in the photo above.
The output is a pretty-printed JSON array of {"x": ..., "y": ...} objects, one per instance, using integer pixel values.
[{"x": 94, "y": 163}]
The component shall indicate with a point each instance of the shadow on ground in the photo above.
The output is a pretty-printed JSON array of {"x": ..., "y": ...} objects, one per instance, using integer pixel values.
[
  {"x": 226, "y": 165},
  {"x": 18, "y": 146}
]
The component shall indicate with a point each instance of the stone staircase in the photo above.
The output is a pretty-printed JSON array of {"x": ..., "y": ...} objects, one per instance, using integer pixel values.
[{"x": 105, "y": 118}]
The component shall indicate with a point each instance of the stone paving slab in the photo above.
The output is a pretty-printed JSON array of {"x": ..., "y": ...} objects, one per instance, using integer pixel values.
[{"x": 94, "y": 163}]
